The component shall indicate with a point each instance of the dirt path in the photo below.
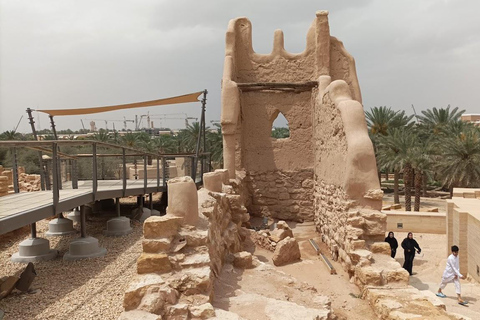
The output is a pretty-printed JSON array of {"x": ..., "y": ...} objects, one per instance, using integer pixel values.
[{"x": 310, "y": 273}]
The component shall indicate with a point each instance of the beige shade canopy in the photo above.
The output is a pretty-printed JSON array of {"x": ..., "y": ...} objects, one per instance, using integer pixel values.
[{"x": 191, "y": 97}]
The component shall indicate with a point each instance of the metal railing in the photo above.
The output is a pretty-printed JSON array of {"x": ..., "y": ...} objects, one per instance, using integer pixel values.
[{"x": 52, "y": 147}]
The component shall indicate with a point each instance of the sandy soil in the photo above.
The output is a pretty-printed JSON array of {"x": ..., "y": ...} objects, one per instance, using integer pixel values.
[
  {"x": 85, "y": 289},
  {"x": 310, "y": 270},
  {"x": 428, "y": 269}
]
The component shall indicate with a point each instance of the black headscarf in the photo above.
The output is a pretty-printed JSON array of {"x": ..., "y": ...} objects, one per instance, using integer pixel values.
[
  {"x": 410, "y": 244},
  {"x": 392, "y": 241}
]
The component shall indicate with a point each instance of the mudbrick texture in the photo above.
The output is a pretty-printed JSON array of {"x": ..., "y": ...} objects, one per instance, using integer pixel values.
[{"x": 285, "y": 195}]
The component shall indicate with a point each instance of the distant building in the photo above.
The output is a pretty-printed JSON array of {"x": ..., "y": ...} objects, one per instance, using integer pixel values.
[{"x": 473, "y": 118}]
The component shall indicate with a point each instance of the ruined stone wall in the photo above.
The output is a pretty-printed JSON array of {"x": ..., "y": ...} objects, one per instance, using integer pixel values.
[
  {"x": 286, "y": 195},
  {"x": 347, "y": 194},
  {"x": 26, "y": 182},
  {"x": 279, "y": 181}
]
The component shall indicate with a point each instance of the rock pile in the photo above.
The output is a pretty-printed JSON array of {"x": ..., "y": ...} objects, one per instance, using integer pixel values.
[
  {"x": 26, "y": 182},
  {"x": 174, "y": 279}
]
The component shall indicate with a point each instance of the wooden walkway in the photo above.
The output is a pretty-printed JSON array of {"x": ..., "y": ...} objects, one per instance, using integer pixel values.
[{"x": 21, "y": 209}]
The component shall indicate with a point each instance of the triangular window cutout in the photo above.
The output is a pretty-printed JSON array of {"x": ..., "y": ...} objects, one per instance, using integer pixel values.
[{"x": 280, "y": 129}]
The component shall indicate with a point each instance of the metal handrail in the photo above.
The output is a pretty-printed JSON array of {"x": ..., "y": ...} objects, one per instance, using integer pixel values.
[{"x": 57, "y": 156}]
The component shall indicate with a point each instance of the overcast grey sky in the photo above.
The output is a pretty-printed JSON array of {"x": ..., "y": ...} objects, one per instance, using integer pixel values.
[{"x": 74, "y": 54}]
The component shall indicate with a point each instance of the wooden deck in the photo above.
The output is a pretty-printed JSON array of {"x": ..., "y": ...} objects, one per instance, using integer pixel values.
[{"x": 21, "y": 209}]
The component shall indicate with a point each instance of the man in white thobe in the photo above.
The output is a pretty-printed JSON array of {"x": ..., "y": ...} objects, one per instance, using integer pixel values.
[{"x": 452, "y": 274}]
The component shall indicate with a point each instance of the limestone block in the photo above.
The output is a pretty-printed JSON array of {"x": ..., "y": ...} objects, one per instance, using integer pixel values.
[
  {"x": 7, "y": 286},
  {"x": 178, "y": 312},
  {"x": 157, "y": 297},
  {"x": 213, "y": 181},
  {"x": 204, "y": 311},
  {"x": 357, "y": 244},
  {"x": 156, "y": 245},
  {"x": 139, "y": 315},
  {"x": 196, "y": 260},
  {"x": 161, "y": 227},
  {"x": 286, "y": 251},
  {"x": 368, "y": 276},
  {"x": 183, "y": 199},
  {"x": 153, "y": 262},
  {"x": 137, "y": 289},
  {"x": 242, "y": 260},
  {"x": 225, "y": 175},
  {"x": 192, "y": 281},
  {"x": 280, "y": 234},
  {"x": 381, "y": 247},
  {"x": 396, "y": 276},
  {"x": 356, "y": 255}
]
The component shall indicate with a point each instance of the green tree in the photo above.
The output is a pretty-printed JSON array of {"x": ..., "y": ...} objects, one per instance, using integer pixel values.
[
  {"x": 280, "y": 133},
  {"x": 437, "y": 119},
  {"x": 188, "y": 137},
  {"x": 379, "y": 121},
  {"x": 215, "y": 145},
  {"x": 458, "y": 162},
  {"x": 398, "y": 152},
  {"x": 10, "y": 135},
  {"x": 103, "y": 136}
]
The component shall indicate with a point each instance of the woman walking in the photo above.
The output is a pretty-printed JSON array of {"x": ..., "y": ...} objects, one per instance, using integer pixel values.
[
  {"x": 392, "y": 242},
  {"x": 409, "y": 246}
]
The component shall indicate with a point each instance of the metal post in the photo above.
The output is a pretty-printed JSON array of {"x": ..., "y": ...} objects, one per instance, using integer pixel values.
[
  {"x": 33, "y": 230},
  {"x": 145, "y": 174},
  {"x": 124, "y": 178},
  {"x": 74, "y": 174},
  {"x": 117, "y": 206},
  {"x": 55, "y": 192},
  {"x": 83, "y": 226},
  {"x": 193, "y": 174},
  {"x": 40, "y": 158},
  {"x": 15, "y": 170},
  {"x": 94, "y": 173},
  {"x": 164, "y": 172},
  {"x": 59, "y": 163},
  {"x": 201, "y": 128},
  {"x": 150, "y": 195},
  {"x": 158, "y": 173}
]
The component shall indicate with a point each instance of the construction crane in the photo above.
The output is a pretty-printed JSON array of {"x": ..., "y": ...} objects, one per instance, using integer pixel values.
[
  {"x": 164, "y": 116},
  {"x": 106, "y": 122}
]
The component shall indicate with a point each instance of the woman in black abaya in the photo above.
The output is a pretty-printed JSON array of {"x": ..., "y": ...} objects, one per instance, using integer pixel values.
[
  {"x": 392, "y": 242},
  {"x": 409, "y": 246}
]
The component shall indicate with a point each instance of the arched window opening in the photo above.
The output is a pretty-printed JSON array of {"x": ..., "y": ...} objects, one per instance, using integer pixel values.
[{"x": 280, "y": 129}]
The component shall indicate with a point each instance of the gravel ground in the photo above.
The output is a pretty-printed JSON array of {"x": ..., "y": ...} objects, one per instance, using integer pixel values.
[{"x": 84, "y": 289}]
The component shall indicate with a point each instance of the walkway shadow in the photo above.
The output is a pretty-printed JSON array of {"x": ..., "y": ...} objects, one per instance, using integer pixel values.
[
  {"x": 417, "y": 283},
  {"x": 225, "y": 286}
]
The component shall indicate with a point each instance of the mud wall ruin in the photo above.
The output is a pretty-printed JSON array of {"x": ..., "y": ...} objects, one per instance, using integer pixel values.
[{"x": 325, "y": 171}]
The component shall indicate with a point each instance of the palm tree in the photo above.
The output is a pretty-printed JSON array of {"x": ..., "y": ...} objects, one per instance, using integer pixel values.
[
  {"x": 436, "y": 119},
  {"x": 188, "y": 137},
  {"x": 379, "y": 121},
  {"x": 215, "y": 145},
  {"x": 10, "y": 135},
  {"x": 459, "y": 163},
  {"x": 130, "y": 139},
  {"x": 102, "y": 135},
  {"x": 165, "y": 143},
  {"x": 396, "y": 151}
]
